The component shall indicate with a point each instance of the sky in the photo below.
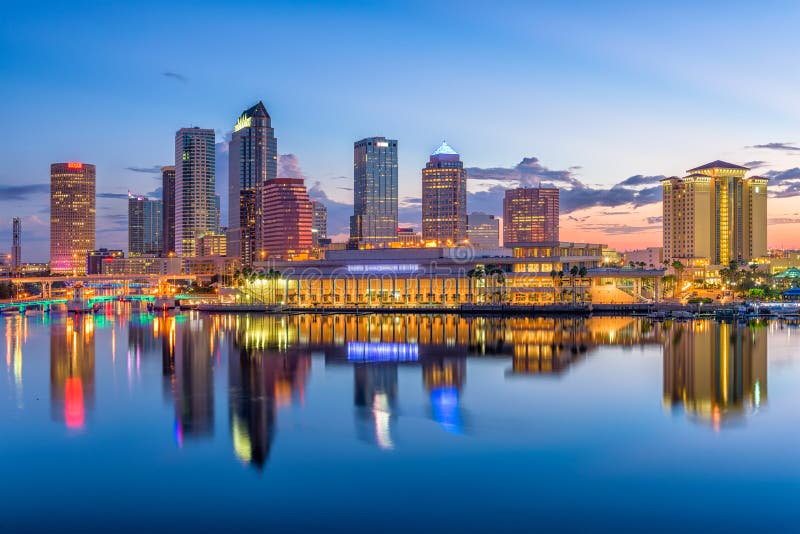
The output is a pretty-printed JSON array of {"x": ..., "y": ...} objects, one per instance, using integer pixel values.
[{"x": 602, "y": 99}]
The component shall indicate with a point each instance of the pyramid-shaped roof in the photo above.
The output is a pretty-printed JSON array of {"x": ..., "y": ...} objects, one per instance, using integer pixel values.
[
  {"x": 718, "y": 164},
  {"x": 444, "y": 148},
  {"x": 257, "y": 110}
]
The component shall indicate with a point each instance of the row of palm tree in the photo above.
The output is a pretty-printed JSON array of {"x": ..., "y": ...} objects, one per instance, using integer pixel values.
[
  {"x": 247, "y": 277},
  {"x": 494, "y": 279},
  {"x": 573, "y": 273}
]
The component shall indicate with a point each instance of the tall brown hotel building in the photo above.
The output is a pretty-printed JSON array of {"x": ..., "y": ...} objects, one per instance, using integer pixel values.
[
  {"x": 72, "y": 216},
  {"x": 530, "y": 215},
  {"x": 444, "y": 197}
]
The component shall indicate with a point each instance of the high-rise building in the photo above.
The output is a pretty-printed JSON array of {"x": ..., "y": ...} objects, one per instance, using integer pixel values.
[
  {"x": 530, "y": 215},
  {"x": 194, "y": 188},
  {"x": 444, "y": 197},
  {"x": 287, "y": 218},
  {"x": 253, "y": 159},
  {"x": 145, "y": 225},
  {"x": 168, "y": 210},
  {"x": 212, "y": 245},
  {"x": 715, "y": 215},
  {"x": 374, "y": 220},
  {"x": 483, "y": 230},
  {"x": 16, "y": 244},
  {"x": 319, "y": 222},
  {"x": 72, "y": 216},
  {"x": 96, "y": 258}
]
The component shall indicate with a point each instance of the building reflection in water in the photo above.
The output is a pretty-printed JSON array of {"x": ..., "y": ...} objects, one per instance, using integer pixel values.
[
  {"x": 263, "y": 376},
  {"x": 16, "y": 332},
  {"x": 72, "y": 353},
  {"x": 375, "y": 398},
  {"x": 194, "y": 380},
  {"x": 444, "y": 379},
  {"x": 716, "y": 372}
]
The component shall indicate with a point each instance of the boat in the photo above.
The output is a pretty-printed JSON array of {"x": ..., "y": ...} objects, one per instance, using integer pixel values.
[
  {"x": 11, "y": 310},
  {"x": 163, "y": 303},
  {"x": 682, "y": 315}
]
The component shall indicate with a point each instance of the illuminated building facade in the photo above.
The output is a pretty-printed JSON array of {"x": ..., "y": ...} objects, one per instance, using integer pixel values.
[
  {"x": 444, "y": 197},
  {"x": 212, "y": 245},
  {"x": 374, "y": 220},
  {"x": 72, "y": 216},
  {"x": 195, "y": 212},
  {"x": 530, "y": 215},
  {"x": 16, "y": 244},
  {"x": 451, "y": 277},
  {"x": 715, "y": 215},
  {"x": 287, "y": 218},
  {"x": 319, "y": 223},
  {"x": 253, "y": 159},
  {"x": 483, "y": 230},
  {"x": 145, "y": 225},
  {"x": 96, "y": 258},
  {"x": 168, "y": 210}
]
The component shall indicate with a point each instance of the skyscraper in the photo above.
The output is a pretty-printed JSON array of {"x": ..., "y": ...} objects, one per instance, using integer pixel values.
[
  {"x": 483, "y": 230},
  {"x": 374, "y": 220},
  {"x": 72, "y": 216},
  {"x": 194, "y": 188},
  {"x": 715, "y": 215},
  {"x": 145, "y": 225},
  {"x": 168, "y": 210},
  {"x": 253, "y": 159},
  {"x": 530, "y": 215},
  {"x": 16, "y": 244},
  {"x": 319, "y": 222},
  {"x": 287, "y": 218},
  {"x": 444, "y": 197}
]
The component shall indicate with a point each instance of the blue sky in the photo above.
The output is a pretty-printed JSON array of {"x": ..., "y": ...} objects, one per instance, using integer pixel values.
[{"x": 601, "y": 91}]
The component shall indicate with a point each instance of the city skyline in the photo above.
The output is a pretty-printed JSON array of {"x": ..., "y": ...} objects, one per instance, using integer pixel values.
[{"x": 537, "y": 82}]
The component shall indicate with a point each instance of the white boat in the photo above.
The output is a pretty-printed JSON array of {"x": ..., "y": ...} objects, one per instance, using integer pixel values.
[{"x": 681, "y": 314}]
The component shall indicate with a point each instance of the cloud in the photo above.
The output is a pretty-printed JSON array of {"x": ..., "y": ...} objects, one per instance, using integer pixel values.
[
  {"x": 638, "y": 190},
  {"x": 157, "y": 193},
  {"x": 756, "y": 163},
  {"x": 655, "y": 220},
  {"x": 784, "y": 220},
  {"x": 618, "y": 229},
  {"x": 113, "y": 195},
  {"x": 154, "y": 169},
  {"x": 289, "y": 167},
  {"x": 175, "y": 76},
  {"x": 22, "y": 192},
  {"x": 785, "y": 147},
  {"x": 784, "y": 184}
]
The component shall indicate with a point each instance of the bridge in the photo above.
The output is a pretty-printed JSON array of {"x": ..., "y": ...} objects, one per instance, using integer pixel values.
[{"x": 124, "y": 287}]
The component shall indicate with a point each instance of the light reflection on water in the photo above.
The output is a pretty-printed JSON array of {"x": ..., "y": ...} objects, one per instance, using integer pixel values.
[{"x": 297, "y": 398}]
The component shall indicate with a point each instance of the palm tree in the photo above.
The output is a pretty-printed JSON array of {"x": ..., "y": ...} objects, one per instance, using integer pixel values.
[
  {"x": 553, "y": 275},
  {"x": 561, "y": 284},
  {"x": 496, "y": 277},
  {"x": 582, "y": 272},
  {"x": 477, "y": 274},
  {"x": 573, "y": 272},
  {"x": 678, "y": 266}
]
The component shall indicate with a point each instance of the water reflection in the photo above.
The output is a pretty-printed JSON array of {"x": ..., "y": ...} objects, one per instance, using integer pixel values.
[
  {"x": 72, "y": 355},
  {"x": 262, "y": 377},
  {"x": 712, "y": 372},
  {"x": 716, "y": 372},
  {"x": 16, "y": 332},
  {"x": 444, "y": 378},
  {"x": 194, "y": 381}
]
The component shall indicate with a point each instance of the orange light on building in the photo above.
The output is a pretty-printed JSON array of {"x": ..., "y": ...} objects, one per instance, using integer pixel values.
[{"x": 74, "y": 165}]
